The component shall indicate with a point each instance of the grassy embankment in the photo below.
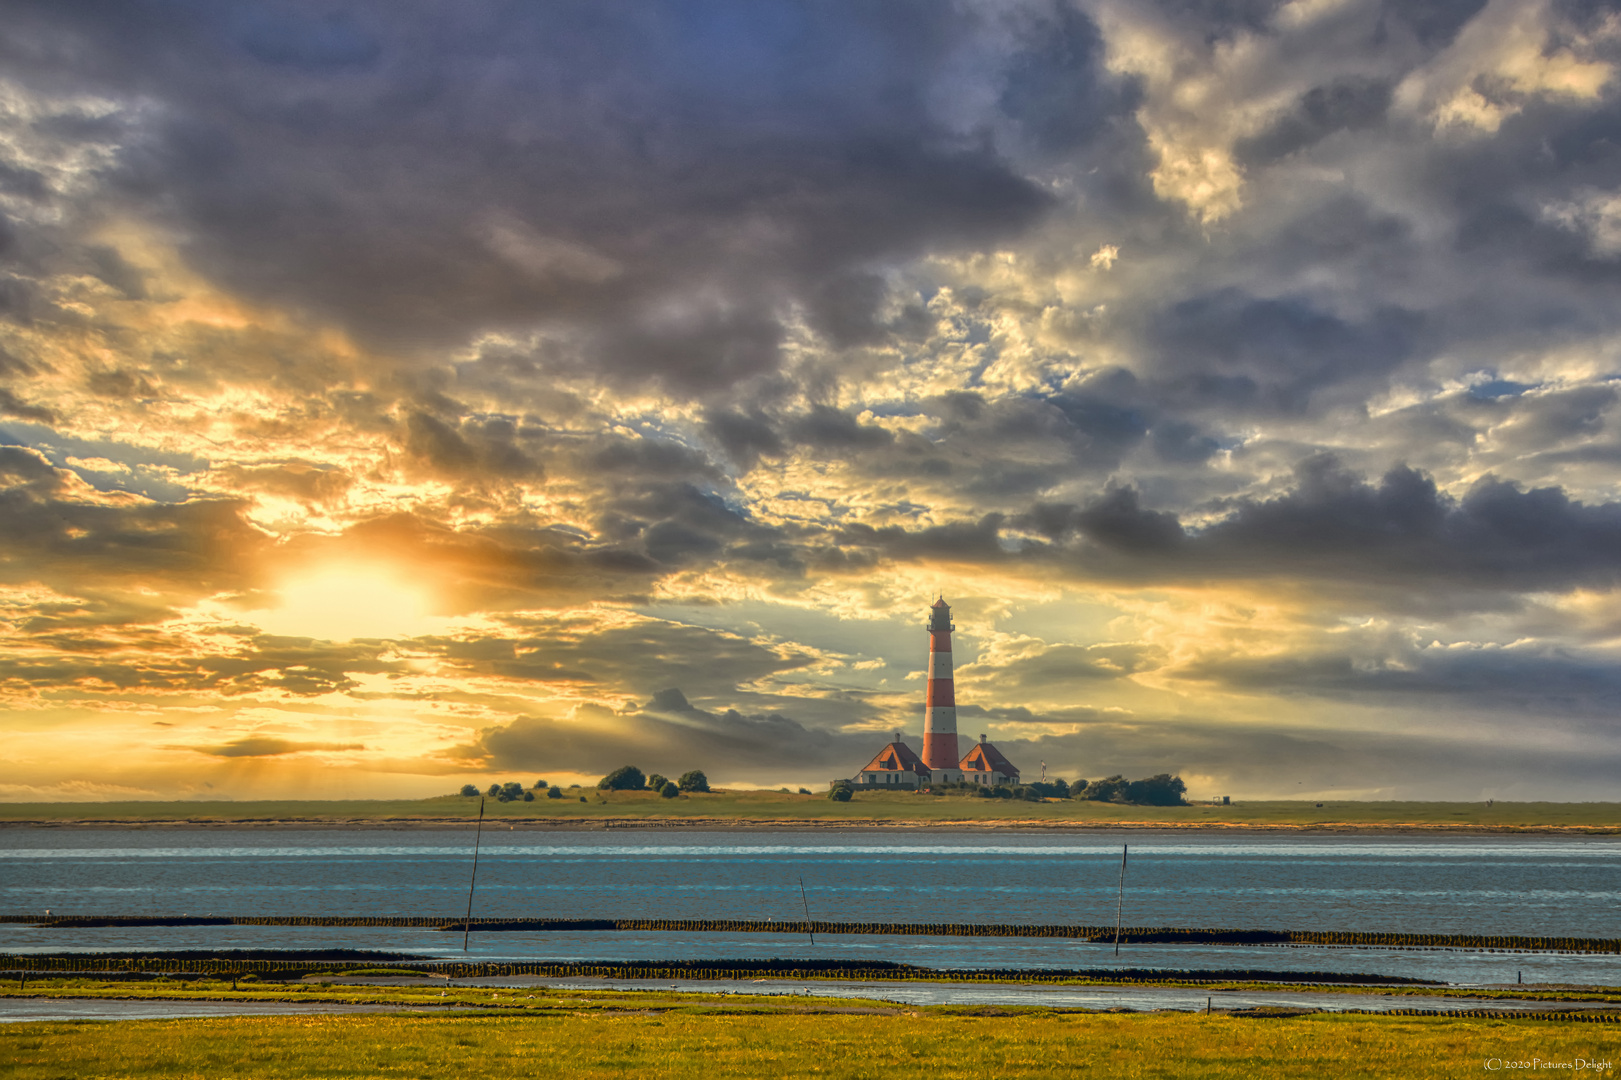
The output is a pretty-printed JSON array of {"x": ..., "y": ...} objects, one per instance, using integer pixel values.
[
  {"x": 715, "y": 1040},
  {"x": 877, "y": 808}
]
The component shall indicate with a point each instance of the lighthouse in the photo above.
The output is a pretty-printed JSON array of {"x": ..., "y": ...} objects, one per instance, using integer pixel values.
[
  {"x": 940, "y": 700},
  {"x": 896, "y": 768}
]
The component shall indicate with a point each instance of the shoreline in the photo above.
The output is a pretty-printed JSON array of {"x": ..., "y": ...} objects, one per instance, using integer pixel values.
[{"x": 732, "y": 824}]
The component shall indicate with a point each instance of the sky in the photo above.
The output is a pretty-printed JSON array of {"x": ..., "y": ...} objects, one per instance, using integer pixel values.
[{"x": 398, "y": 395}]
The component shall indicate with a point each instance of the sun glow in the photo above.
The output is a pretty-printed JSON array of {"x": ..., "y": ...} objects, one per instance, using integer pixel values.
[{"x": 338, "y": 603}]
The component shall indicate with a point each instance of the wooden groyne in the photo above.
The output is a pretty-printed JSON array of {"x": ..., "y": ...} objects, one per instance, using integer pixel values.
[{"x": 1139, "y": 935}]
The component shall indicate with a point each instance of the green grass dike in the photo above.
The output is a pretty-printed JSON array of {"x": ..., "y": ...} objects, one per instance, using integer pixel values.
[
  {"x": 593, "y": 1035},
  {"x": 755, "y": 808}
]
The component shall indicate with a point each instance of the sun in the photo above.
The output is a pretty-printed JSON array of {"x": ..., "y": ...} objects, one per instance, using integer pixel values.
[{"x": 342, "y": 602}]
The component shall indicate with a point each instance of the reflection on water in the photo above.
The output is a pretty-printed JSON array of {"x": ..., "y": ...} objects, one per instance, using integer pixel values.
[{"x": 1453, "y": 885}]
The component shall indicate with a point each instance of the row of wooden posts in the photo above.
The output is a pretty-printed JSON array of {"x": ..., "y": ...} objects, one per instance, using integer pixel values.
[
  {"x": 227, "y": 966},
  {"x": 1142, "y": 935}
]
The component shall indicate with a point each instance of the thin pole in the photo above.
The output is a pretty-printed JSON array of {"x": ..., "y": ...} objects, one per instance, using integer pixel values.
[
  {"x": 806, "y": 901},
  {"x": 467, "y": 927},
  {"x": 1120, "y": 905}
]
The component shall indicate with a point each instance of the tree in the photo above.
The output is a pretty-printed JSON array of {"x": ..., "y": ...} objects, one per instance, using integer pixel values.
[
  {"x": 512, "y": 790},
  {"x": 469, "y": 791},
  {"x": 804, "y": 791},
  {"x": 840, "y": 791},
  {"x": 554, "y": 793},
  {"x": 693, "y": 781},
  {"x": 669, "y": 790},
  {"x": 541, "y": 785},
  {"x": 1110, "y": 789},
  {"x": 1162, "y": 789},
  {"x": 494, "y": 792},
  {"x": 624, "y": 778},
  {"x": 655, "y": 782},
  {"x": 529, "y": 796},
  {"x": 1077, "y": 789}
]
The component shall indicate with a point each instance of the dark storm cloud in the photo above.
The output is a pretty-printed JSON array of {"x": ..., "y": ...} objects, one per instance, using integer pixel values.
[
  {"x": 53, "y": 529},
  {"x": 639, "y": 658},
  {"x": 1343, "y": 105},
  {"x": 1280, "y": 761},
  {"x": 1333, "y": 526},
  {"x": 656, "y": 182},
  {"x": 1053, "y": 669},
  {"x": 12, "y": 405},
  {"x": 671, "y": 735},
  {"x": 1496, "y": 536},
  {"x": 1242, "y": 353},
  {"x": 1517, "y": 679}
]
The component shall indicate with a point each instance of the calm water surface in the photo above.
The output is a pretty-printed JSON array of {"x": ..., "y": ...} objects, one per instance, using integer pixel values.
[{"x": 1455, "y": 885}]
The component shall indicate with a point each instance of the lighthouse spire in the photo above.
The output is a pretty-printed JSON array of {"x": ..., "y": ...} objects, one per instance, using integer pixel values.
[{"x": 940, "y": 700}]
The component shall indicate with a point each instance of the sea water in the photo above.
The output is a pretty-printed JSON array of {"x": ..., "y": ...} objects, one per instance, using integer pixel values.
[{"x": 1475, "y": 885}]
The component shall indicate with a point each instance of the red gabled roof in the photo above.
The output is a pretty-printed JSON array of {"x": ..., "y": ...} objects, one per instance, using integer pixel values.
[
  {"x": 986, "y": 758},
  {"x": 896, "y": 756}
]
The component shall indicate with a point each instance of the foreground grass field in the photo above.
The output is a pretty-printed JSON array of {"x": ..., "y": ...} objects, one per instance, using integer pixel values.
[
  {"x": 877, "y": 808},
  {"x": 738, "y": 1043}
]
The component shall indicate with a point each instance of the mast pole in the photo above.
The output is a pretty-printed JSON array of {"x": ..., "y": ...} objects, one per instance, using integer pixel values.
[
  {"x": 1120, "y": 904},
  {"x": 467, "y": 927}
]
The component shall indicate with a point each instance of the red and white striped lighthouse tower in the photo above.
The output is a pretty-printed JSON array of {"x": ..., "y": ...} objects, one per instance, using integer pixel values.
[{"x": 940, "y": 711}]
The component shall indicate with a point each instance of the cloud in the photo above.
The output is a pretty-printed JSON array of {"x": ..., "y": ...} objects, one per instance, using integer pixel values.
[
  {"x": 1252, "y": 361},
  {"x": 265, "y": 746},
  {"x": 1265, "y": 760},
  {"x": 672, "y": 736},
  {"x": 1525, "y": 681},
  {"x": 778, "y": 151}
]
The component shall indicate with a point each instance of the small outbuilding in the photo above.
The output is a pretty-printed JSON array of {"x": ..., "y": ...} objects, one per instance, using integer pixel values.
[
  {"x": 984, "y": 764},
  {"x": 896, "y": 766}
]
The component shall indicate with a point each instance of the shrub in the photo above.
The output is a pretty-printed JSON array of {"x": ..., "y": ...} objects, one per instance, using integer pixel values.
[
  {"x": 693, "y": 781},
  {"x": 494, "y": 792},
  {"x": 1160, "y": 790},
  {"x": 554, "y": 793},
  {"x": 1077, "y": 789},
  {"x": 512, "y": 790},
  {"x": 840, "y": 791},
  {"x": 582, "y": 798},
  {"x": 469, "y": 791},
  {"x": 541, "y": 785},
  {"x": 529, "y": 796},
  {"x": 804, "y": 791},
  {"x": 656, "y": 782},
  {"x": 1109, "y": 789},
  {"x": 669, "y": 789},
  {"x": 624, "y": 778}
]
